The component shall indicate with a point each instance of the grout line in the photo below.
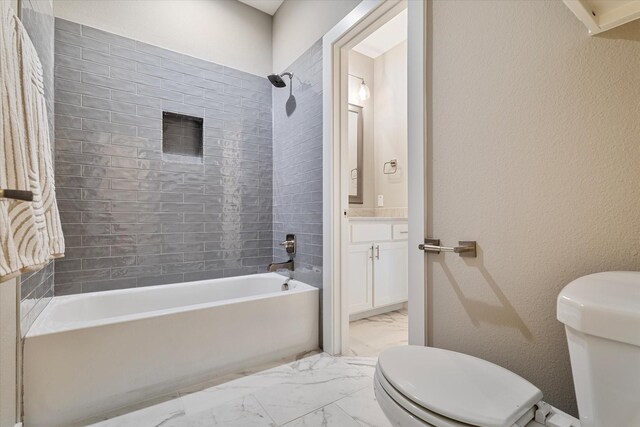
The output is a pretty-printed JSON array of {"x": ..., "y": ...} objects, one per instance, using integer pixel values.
[{"x": 264, "y": 409}]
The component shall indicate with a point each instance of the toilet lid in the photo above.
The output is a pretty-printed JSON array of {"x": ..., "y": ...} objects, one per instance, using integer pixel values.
[{"x": 458, "y": 386}]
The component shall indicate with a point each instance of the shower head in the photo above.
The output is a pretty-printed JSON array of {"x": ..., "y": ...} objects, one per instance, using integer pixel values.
[{"x": 277, "y": 81}]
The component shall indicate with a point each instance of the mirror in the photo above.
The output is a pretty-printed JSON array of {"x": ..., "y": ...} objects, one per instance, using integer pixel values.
[{"x": 355, "y": 154}]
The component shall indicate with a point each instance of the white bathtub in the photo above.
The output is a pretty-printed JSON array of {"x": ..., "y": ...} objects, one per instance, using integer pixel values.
[{"x": 90, "y": 354}]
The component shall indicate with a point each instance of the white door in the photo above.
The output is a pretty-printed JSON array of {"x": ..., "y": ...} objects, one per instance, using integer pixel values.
[
  {"x": 390, "y": 277},
  {"x": 360, "y": 277},
  {"x": 416, "y": 128}
]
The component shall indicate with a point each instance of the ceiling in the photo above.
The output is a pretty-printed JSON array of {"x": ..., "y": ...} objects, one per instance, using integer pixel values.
[
  {"x": 267, "y": 6},
  {"x": 384, "y": 38}
]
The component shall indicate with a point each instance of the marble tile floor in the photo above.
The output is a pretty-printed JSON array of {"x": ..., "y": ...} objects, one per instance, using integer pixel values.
[
  {"x": 370, "y": 336},
  {"x": 319, "y": 390}
]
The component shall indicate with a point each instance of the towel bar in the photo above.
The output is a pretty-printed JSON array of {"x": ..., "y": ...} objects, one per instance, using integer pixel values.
[{"x": 26, "y": 196}]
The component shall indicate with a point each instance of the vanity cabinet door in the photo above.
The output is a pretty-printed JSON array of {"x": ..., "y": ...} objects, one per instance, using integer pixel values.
[
  {"x": 391, "y": 278},
  {"x": 360, "y": 275}
]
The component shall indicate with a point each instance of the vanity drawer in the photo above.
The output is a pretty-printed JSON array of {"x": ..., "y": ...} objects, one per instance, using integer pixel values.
[
  {"x": 370, "y": 232},
  {"x": 400, "y": 231}
]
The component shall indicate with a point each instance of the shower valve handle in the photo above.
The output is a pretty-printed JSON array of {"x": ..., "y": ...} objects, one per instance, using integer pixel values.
[{"x": 289, "y": 244}]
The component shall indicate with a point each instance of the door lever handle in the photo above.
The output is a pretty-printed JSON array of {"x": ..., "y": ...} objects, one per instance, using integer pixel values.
[{"x": 466, "y": 248}]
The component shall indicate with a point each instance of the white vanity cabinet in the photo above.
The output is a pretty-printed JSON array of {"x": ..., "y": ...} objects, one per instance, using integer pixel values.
[
  {"x": 377, "y": 264},
  {"x": 390, "y": 273},
  {"x": 360, "y": 274}
]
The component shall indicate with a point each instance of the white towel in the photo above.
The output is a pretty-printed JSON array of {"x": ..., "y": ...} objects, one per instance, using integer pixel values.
[{"x": 30, "y": 233}]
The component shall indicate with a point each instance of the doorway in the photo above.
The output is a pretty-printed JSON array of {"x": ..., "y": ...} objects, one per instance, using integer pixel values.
[
  {"x": 377, "y": 246},
  {"x": 374, "y": 176}
]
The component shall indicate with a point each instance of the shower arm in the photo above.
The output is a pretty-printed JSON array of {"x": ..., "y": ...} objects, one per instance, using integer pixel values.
[{"x": 290, "y": 75}]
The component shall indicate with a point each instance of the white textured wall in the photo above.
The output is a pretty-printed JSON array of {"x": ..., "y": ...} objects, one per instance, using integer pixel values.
[
  {"x": 226, "y": 32},
  {"x": 8, "y": 339},
  {"x": 362, "y": 66},
  {"x": 390, "y": 128},
  {"x": 298, "y": 24},
  {"x": 535, "y": 154}
]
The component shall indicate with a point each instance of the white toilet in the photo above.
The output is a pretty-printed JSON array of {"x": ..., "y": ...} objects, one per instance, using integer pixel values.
[{"x": 424, "y": 386}]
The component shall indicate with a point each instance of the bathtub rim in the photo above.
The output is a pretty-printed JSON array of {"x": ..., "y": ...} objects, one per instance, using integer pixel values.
[{"x": 35, "y": 330}]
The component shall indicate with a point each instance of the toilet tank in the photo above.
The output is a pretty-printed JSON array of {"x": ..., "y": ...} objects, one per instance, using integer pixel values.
[{"x": 601, "y": 314}]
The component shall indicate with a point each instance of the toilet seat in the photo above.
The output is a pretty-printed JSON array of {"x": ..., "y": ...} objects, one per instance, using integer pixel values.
[
  {"x": 445, "y": 389},
  {"x": 412, "y": 413}
]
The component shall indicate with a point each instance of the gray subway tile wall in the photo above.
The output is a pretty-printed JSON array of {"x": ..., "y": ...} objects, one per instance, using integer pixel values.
[
  {"x": 131, "y": 216},
  {"x": 36, "y": 288},
  {"x": 297, "y": 166},
  {"x": 37, "y": 18}
]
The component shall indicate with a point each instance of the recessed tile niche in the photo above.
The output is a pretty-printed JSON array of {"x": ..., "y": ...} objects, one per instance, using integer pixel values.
[{"x": 181, "y": 137}]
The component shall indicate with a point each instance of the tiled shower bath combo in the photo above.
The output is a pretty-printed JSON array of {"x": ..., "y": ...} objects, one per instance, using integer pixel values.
[
  {"x": 132, "y": 214},
  {"x": 165, "y": 172}
]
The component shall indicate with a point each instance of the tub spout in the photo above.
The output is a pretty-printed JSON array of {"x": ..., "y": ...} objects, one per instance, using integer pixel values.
[{"x": 281, "y": 266}]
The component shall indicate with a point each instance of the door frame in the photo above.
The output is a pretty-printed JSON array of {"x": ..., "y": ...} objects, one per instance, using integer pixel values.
[{"x": 368, "y": 16}]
